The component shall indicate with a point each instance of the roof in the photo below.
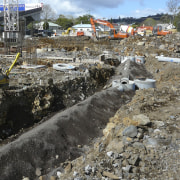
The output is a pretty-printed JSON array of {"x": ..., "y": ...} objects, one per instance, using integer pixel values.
[
  {"x": 50, "y": 24},
  {"x": 82, "y": 26}
]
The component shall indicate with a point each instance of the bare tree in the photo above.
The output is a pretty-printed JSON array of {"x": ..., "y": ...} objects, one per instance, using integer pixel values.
[
  {"x": 48, "y": 13},
  {"x": 173, "y": 6}
]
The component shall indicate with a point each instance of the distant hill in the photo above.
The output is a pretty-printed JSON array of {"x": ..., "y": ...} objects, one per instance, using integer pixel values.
[{"x": 131, "y": 20}]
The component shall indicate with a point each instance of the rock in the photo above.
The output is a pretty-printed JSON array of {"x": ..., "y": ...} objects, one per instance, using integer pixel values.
[
  {"x": 78, "y": 178},
  {"x": 138, "y": 145},
  {"x": 162, "y": 46},
  {"x": 159, "y": 123},
  {"x": 130, "y": 131},
  {"x": 125, "y": 162},
  {"x": 88, "y": 170},
  {"x": 68, "y": 168},
  {"x": 38, "y": 171},
  {"x": 140, "y": 43},
  {"x": 115, "y": 146},
  {"x": 75, "y": 173},
  {"x": 25, "y": 178},
  {"x": 134, "y": 160},
  {"x": 127, "y": 168},
  {"x": 108, "y": 128},
  {"x": 52, "y": 178},
  {"x": 110, "y": 175},
  {"x": 151, "y": 142},
  {"x": 110, "y": 153},
  {"x": 127, "y": 140},
  {"x": 141, "y": 119},
  {"x": 59, "y": 174}
]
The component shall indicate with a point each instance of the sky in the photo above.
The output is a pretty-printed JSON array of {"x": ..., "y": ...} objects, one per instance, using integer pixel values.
[{"x": 106, "y": 9}]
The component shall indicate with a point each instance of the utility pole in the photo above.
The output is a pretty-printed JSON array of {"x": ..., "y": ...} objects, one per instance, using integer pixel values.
[{"x": 11, "y": 24}]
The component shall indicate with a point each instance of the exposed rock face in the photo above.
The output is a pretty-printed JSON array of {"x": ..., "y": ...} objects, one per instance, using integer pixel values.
[{"x": 21, "y": 108}]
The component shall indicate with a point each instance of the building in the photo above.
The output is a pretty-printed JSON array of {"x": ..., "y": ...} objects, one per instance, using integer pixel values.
[
  {"x": 52, "y": 26},
  {"x": 86, "y": 28}
]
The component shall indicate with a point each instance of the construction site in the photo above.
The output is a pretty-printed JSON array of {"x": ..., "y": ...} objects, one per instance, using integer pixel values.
[{"x": 88, "y": 107}]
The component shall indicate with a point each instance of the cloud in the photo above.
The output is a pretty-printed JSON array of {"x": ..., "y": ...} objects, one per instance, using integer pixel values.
[{"x": 94, "y": 7}]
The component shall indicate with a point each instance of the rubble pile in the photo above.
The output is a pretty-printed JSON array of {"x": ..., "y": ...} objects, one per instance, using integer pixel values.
[
  {"x": 141, "y": 138},
  {"x": 141, "y": 141}
]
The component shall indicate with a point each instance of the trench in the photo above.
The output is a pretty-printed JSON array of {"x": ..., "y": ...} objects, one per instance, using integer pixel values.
[
  {"x": 63, "y": 136},
  {"x": 60, "y": 136}
]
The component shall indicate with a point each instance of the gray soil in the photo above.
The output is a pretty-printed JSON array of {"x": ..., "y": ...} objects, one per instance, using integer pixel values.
[{"x": 61, "y": 137}]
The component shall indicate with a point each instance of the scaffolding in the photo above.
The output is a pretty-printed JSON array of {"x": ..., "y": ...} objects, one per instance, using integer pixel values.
[{"x": 12, "y": 35}]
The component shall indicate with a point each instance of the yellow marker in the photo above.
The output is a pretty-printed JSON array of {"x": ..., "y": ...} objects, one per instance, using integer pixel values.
[{"x": 8, "y": 71}]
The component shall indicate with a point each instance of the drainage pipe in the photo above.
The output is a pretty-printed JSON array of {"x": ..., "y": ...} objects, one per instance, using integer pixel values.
[{"x": 168, "y": 59}]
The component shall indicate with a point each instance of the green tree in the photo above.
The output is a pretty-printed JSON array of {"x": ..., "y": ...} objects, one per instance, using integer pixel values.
[
  {"x": 149, "y": 22},
  {"x": 85, "y": 19},
  {"x": 30, "y": 25},
  {"x": 111, "y": 21},
  {"x": 64, "y": 21},
  {"x": 177, "y": 21},
  {"x": 46, "y": 25}
]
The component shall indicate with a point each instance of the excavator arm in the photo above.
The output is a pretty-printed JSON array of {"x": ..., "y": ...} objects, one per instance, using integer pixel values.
[
  {"x": 113, "y": 33},
  {"x": 93, "y": 26}
]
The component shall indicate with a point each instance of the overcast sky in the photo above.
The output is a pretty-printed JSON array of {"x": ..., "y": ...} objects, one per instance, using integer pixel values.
[{"x": 106, "y": 8}]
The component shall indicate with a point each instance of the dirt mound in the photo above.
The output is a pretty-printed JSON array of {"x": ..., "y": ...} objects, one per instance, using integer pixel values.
[{"x": 61, "y": 137}]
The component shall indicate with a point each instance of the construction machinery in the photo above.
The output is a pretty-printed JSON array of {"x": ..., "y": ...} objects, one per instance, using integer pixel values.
[
  {"x": 80, "y": 33},
  {"x": 113, "y": 34},
  {"x": 142, "y": 30},
  {"x": 68, "y": 31},
  {"x": 4, "y": 76},
  {"x": 157, "y": 30}
]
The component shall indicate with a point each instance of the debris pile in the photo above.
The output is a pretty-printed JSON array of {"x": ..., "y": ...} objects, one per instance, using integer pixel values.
[{"x": 140, "y": 140}]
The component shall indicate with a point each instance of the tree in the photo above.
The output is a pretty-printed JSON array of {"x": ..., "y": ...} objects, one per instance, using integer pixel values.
[
  {"x": 48, "y": 13},
  {"x": 64, "y": 21},
  {"x": 165, "y": 18},
  {"x": 46, "y": 25},
  {"x": 30, "y": 26},
  {"x": 111, "y": 21},
  {"x": 85, "y": 19},
  {"x": 149, "y": 22},
  {"x": 177, "y": 21},
  {"x": 173, "y": 7}
]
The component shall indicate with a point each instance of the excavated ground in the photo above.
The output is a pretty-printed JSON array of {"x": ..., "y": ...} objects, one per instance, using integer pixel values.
[{"x": 141, "y": 138}]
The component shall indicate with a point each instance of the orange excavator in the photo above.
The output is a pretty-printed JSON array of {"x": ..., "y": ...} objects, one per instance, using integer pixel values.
[
  {"x": 113, "y": 33},
  {"x": 141, "y": 30},
  {"x": 157, "y": 30}
]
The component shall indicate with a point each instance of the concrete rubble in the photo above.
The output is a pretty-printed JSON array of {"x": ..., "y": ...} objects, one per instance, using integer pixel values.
[{"x": 123, "y": 134}]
